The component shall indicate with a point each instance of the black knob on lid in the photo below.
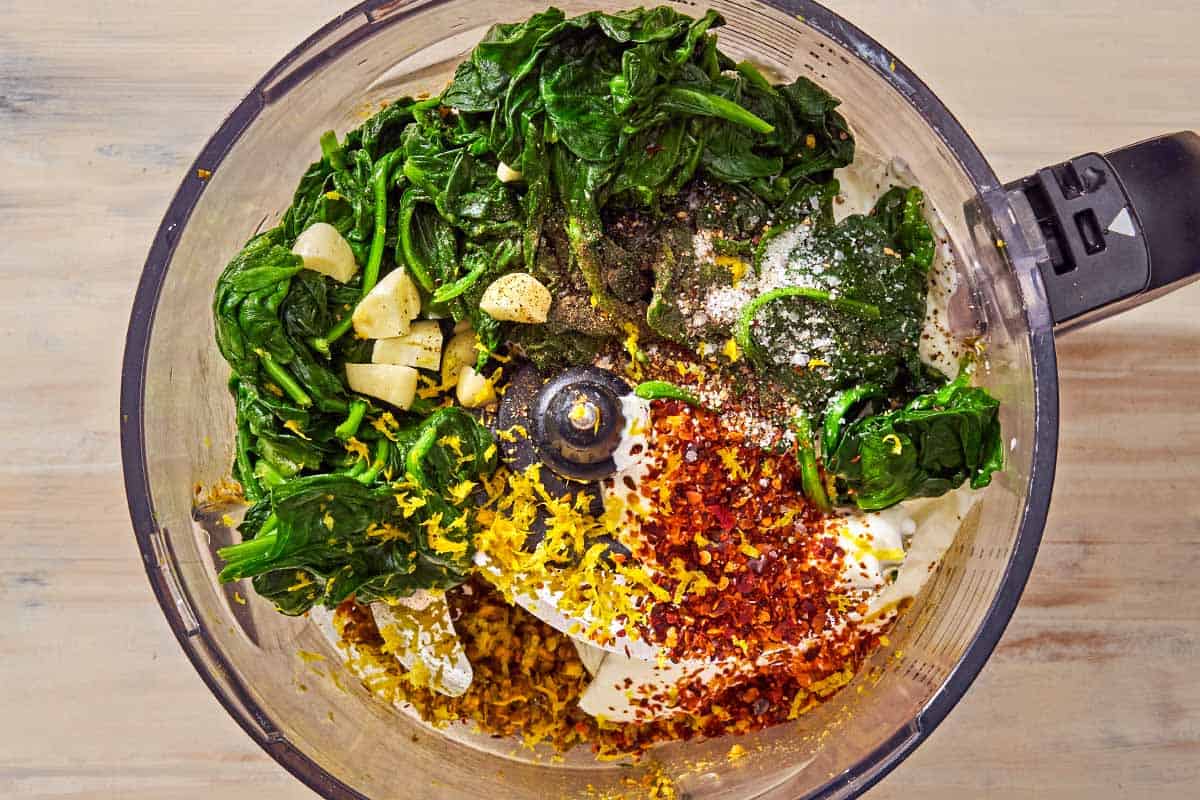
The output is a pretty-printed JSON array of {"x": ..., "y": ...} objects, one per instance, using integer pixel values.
[
  {"x": 577, "y": 422},
  {"x": 574, "y": 424}
]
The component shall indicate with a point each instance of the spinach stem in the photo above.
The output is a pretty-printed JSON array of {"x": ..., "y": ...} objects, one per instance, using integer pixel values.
[
  {"x": 664, "y": 390},
  {"x": 381, "y": 453},
  {"x": 251, "y": 489},
  {"x": 349, "y": 428},
  {"x": 332, "y": 150},
  {"x": 321, "y": 344},
  {"x": 713, "y": 105},
  {"x": 240, "y": 556},
  {"x": 750, "y": 72},
  {"x": 269, "y": 475},
  {"x": 408, "y": 208},
  {"x": 587, "y": 265},
  {"x": 380, "y": 176},
  {"x": 450, "y": 291},
  {"x": 504, "y": 254},
  {"x": 281, "y": 376},
  {"x": 244, "y": 551},
  {"x": 417, "y": 453},
  {"x": 743, "y": 334},
  {"x": 839, "y": 407},
  {"x": 810, "y": 474}
]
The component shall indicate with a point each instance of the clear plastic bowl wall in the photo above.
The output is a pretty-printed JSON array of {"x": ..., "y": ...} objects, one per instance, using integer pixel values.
[{"x": 314, "y": 716}]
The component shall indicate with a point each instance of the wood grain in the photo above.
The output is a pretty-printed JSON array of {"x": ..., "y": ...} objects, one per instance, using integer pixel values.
[{"x": 1093, "y": 691}]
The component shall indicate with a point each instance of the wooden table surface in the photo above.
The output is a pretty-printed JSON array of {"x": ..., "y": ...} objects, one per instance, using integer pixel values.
[{"x": 1094, "y": 691}]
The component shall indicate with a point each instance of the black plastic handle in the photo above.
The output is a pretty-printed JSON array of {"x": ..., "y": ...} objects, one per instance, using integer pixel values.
[{"x": 1120, "y": 228}]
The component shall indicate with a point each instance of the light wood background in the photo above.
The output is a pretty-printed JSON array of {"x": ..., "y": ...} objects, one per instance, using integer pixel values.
[{"x": 1095, "y": 690}]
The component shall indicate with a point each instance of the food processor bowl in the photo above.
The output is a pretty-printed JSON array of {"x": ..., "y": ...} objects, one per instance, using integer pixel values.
[{"x": 278, "y": 676}]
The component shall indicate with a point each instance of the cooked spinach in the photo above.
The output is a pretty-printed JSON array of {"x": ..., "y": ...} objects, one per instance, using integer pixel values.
[
  {"x": 853, "y": 306},
  {"x": 326, "y": 494},
  {"x": 935, "y": 443},
  {"x": 901, "y": 212},
  {"x": 329, "y": 536},
  {"x": 627, "y": 108},
  {"x": 250, "y": 334},
  {"x": 810, "y": 473}
]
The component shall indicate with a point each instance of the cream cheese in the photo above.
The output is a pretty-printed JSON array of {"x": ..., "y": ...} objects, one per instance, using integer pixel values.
[{"x": 419, "y": 632}]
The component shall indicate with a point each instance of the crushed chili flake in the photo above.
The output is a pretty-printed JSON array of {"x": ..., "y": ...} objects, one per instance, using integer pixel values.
[
  {"x": 756, "y": 558},
  {"x": 754, "y": 578}
]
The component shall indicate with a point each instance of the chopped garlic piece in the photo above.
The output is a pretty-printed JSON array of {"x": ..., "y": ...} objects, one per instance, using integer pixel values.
[
  {"x": 389, "y": 309},
  {"x": 459, "y": 354},
  {"x": 324, "y": 250},
  {"x": 506, "y": 174},
  {"x": 421, "y": 347},
  {"x": 517, "y": 297},
  {"x": 391, "y": 383},
  {"x": 474, "y": 390}
]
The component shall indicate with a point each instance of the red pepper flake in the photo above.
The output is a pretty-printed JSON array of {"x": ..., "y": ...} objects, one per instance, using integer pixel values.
[
  {"x": 760, "y": 574},
  {"x": 724, "y": 517}
]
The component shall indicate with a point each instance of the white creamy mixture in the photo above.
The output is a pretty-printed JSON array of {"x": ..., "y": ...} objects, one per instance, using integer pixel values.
[{"x": 418, "y": 630}]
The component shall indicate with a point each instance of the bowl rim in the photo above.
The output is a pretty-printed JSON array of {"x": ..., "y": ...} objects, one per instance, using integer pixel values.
[{"x": 373, "y": 17}]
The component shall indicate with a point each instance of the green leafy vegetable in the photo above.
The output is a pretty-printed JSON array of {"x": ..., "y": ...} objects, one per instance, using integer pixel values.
[
  {"x": 810, "y": 474},
  {"x": 902, "y": 214},
  {"x": 690, "y": 101},
  {"x": 358, "y": 410},
  {"x": 856, "y": 307},
  {"x": 933, "y": 445},
  {"x": 426, "y": 245},
  {"x": 247, "y": 301},
  {"x": 839, "y": 409},
  {"x": 746, "y": 318},
  {"x": 333, "y": 535},
  {"x": 627, "y": 108}
]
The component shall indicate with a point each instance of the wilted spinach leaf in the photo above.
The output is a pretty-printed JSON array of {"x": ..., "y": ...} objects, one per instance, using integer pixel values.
[
  {"x": 330, "y": 536},
  {"x": 852, "y": 307},
  {"x": 934, "y": 444}
]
